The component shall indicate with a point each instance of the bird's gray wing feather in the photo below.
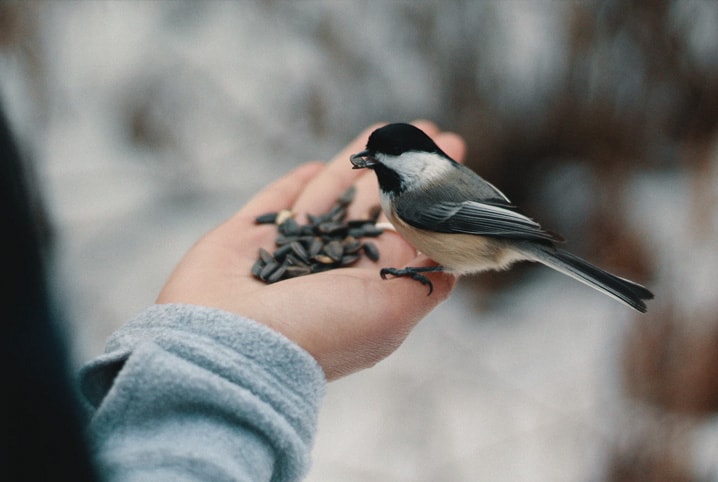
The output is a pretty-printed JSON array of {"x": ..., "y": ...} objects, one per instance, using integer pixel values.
[{"x": 492, "y": 218}]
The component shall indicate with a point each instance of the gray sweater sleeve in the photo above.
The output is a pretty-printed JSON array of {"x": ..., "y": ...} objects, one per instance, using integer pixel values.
[{"x": 191, "y": 393}]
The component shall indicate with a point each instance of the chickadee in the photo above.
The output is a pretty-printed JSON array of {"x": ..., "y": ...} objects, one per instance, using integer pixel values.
[{"x": 449, "y": 213}]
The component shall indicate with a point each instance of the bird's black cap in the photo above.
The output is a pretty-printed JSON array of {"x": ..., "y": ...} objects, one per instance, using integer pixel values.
[{"x": 396, "y": 139}]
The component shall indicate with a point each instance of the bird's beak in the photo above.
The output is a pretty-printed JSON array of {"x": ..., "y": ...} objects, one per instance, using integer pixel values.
[{"x": 362, "y": 160}]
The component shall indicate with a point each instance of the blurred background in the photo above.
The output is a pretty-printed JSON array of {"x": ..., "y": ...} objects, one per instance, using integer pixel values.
[{"x": 148, "y": 123}]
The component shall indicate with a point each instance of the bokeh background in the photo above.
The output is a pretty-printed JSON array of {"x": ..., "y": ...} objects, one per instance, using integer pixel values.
[{"x": 148, "y": 123}]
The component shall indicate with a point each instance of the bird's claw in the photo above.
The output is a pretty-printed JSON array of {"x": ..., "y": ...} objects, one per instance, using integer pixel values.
[{"x": 413, "y": 273}]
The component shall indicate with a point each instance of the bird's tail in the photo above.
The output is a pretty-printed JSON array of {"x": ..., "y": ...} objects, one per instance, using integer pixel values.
[{"x": 623, "y": 290}]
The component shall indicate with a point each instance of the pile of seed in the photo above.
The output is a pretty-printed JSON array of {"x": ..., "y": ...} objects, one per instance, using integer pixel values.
[{"x": 327, "y": 242}]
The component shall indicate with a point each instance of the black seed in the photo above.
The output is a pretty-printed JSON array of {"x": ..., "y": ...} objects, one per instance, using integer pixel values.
[
  {"x": 334, "y": 250},
  {"x": 265, "y": 255},
  {"x": 327, "y": 241},
  {"x": 277, "y": 274},
  {"x": 306, "y": 242},
  {"x": 315, "y": 246},
  {"x": 319, "y": 267},
  {"x": 359, "y": 223},
  {"x": 283, "y": 250},
  {"x": 371, "y": 251},
  {"x": 268, "y": 218},
  {"x": 294, "y": 261},
  {"x": 281, "y": 240},
  {"x": 294, "y": 271},
  {"x": 374, "y": 213},
  {"x": 325, "y": 227},
  {"x": 348, "y": 259},
  {"x": 337, "y": 214},
  {"x": 283, "y": 215},
  {"x": 371, "y": 231},
  {"x": 351, "y": 245},
  {"x": 289, "y": 228},
  {"x": 298, "y": 249},
  {"x": 257, "y": 267},
  {"x": 332, "y": 228},
  {"x": 324, "y": 259},
  {"x": 268, "y": 270},
  {"x": 347, "y": 196}
]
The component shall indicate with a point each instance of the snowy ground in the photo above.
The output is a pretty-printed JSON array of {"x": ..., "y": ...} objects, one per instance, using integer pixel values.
[{"x": 152, "y": 122}]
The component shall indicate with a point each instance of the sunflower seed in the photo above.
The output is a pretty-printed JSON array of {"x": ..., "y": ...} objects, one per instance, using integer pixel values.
[
  {"x": 294, "y": 271},
  {"x": 347, "y": 196},
  {"x": 324, "y": 259},
  {"x": 337, "y": 214},
  {"x": 333, "y": 228},
  {"x": 374, "y": 213},
  {"x": 349, "y": 259},
  {"x": 277, "y": 274},
  {"x": 268, "y": 218},
  {"x": 358, "y": 223},
  {"x": 369, "y": 230},
  {"x": 306, "y": 240},
  {"x": 319, "y": 267},
  {"x": 268, "y": 269},
  {"x": 283, "y": 215},
  {"x": 281, "y": 240},
  {"x": 292, "y": 260},
  {"x": 265, "y": 255},
  {"x": 289, "y": 228},
  {"x": 327, "y": 241},
  {"x": 298, "y": 249},
  {"x": 314, "y": 220},
  {"x": 283, "y": 250},
  {"x": 351, "y": 245},
  {"x": 334, "y": 250},
  {"x": 371, "y": 251},
  {"x": 257, "y": 267}
]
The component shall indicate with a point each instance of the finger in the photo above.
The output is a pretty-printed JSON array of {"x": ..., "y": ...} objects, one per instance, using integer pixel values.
[
  {"x": 277, "y": 196},
  {"x": 366, "y": 197},
  {"x": 452, "y": 144},
  {"x": 449, "y": 142},
  {"x": 429, "y": 128},
  {"x": 282, "y": 193},
  {"x": 334, "y": 179}
]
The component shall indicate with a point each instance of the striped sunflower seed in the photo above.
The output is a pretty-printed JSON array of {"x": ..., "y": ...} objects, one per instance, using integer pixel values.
[{"x": 328, "y": 241}]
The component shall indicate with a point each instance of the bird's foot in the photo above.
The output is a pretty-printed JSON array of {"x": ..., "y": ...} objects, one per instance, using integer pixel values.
[{"x": 414, "y": 273}]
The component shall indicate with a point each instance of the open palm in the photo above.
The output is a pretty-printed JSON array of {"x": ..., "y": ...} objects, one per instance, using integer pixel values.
[{"x": 347, "y": 318}]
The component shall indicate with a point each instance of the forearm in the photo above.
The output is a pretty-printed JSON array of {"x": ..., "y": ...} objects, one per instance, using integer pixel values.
[{"x": 185, "y": 392}]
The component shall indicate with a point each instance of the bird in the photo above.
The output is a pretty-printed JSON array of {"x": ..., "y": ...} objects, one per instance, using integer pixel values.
[{"x": 463, "y": 222}]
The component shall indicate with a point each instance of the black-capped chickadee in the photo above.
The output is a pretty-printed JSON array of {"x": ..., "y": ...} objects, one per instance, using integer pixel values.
[{"x": 462, "y": 222}]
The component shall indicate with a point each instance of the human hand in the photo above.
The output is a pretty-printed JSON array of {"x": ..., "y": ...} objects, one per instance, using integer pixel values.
[{"x": 347, "y": 318}]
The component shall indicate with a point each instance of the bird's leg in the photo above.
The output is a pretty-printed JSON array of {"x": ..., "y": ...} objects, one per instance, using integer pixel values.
[{"x": 414, "y": 273}]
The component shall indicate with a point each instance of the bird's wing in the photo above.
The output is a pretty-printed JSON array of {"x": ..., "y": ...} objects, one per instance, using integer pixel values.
[{"x": 491, "y": 218}]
